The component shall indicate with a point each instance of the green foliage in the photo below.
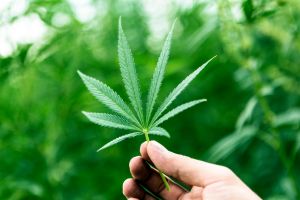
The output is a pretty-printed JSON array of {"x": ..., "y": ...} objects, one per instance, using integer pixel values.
[
  {"x": 110, "y": 120},
  {"x": 250, "y": 123},
  {"x": 159, "y": 131},
  {"x": 177, "y": 110},
  {"x": 107, "y": 96},
  {"x": 158, "y": 75},
  {"x": 129, "y": 73},
  {"x": 112, "y": 100},
  {"x": 120, "y": 139},
  {"x": 154, "y": 131},
  {"x": 176, "y": 91}
]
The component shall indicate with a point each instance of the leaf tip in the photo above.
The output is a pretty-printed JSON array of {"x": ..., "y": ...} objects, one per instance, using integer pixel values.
[
  {"x": 84, "y": 112},
  {"x": 82, "y": 75},
  {"x": 174, "y": 22},
  {"x": 172, "y": 28},
  {"x": 120, "y": 24},
  {"x": 211, "y": 59},
  {"x": 214, "y": 57},
  {"x": 101, "y": 148}
]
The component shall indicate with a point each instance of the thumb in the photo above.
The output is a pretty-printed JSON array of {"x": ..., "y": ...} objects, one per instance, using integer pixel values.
[{"x": 190, "y": 171}]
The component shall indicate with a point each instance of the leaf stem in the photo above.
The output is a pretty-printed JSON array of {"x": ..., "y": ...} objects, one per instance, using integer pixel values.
[
  {"x": 146, "y": 132},
  {"x": 163, "y": 178},
  {"x": 149, "y": 192}
]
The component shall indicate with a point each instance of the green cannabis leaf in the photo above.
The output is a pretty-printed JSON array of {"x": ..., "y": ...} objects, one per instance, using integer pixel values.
[{"x": 136, "y": 120}]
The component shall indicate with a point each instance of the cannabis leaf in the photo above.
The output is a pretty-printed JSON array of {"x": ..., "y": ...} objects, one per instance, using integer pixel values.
[
  {"x": 128, "y": 73},
  {"x": 114, "y": 121},
  {"x": 136, "y": 120},
  {"x": 108, "y": 97},
  {"x": 120, "y": 139},
  {"x": 159, "y": 131},
  {"x": 176, "y": 91},
  {"x": 158, "y": 75},
  {"x": 177, "y": 110}
]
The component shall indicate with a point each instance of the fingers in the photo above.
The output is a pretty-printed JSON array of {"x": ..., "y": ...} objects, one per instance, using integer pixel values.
[
  {"x": 151, "y": 180},
  {"x": 148, "y": 177},
  {"x": 131, "y": 189},
  {"x": 138, "y": 169},
  {"x": 190, "y": 171},
  {"x": 133, "y": 192}
]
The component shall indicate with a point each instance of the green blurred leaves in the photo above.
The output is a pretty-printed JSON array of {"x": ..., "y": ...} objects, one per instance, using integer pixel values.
[{"x": 42, "y": 142}]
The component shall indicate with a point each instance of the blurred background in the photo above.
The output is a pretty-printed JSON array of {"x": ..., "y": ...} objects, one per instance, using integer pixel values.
[{"x": 251, "y": 122}]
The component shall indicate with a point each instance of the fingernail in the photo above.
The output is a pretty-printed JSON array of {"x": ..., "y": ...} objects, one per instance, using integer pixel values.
[{"x": 158, "y": 147}]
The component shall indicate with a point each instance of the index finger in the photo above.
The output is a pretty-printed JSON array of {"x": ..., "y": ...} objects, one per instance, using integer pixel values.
[{"x": 188, "y": 170}]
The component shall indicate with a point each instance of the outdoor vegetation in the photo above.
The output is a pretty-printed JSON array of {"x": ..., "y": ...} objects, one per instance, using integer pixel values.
[{"x": 250, "y": 122}]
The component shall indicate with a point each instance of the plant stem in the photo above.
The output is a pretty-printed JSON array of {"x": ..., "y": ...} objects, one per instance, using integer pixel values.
[
  {"x": 149, "y": 192},
  {"x": 173, "y": 181},
  {"x": 163, "y": 178},
  {"x": 146, "y": 135}
]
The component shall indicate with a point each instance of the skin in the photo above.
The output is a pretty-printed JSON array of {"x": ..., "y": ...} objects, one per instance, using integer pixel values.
[{"x": 207, "y": 181}]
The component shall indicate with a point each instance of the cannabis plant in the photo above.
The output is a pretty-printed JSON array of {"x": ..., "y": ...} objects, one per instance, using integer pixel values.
[{"x": 139, "y": 120}]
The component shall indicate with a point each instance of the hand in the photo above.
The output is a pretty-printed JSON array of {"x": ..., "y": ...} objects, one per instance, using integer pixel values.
[{"x": 207, "y": 181}]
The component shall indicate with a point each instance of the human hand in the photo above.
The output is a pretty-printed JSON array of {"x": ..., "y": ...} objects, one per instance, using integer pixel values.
[{"x": 207, "y": 181}]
